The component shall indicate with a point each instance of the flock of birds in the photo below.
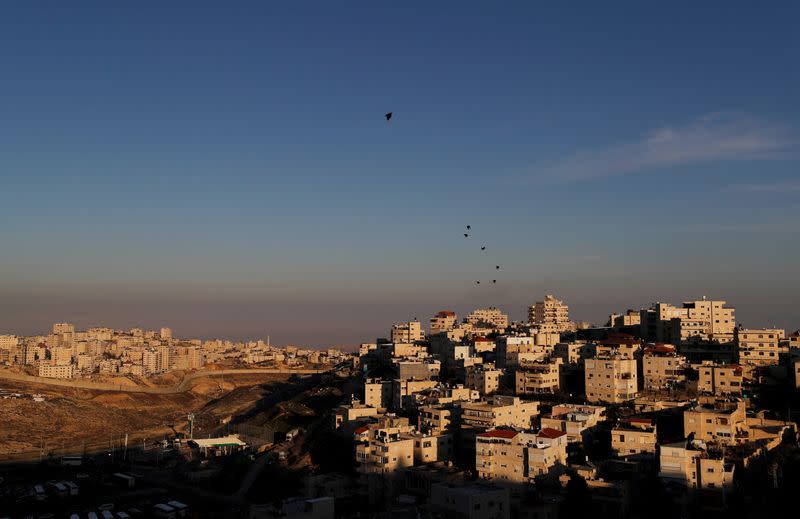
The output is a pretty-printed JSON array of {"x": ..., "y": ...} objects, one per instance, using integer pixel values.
[
  {"x": 483, "y": 248},
  {"x": 469, "y": 227}
]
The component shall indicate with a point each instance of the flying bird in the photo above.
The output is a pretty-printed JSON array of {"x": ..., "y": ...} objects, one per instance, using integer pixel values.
[
  {"x": 466, "y": 235},
  {"x": 478, "y": 282},
  {"x": 497, "y": 267},
  {"x": 483, "y": 248},
  {"x": 494, "y": 281},
  {"x": 469, "y": 227},
  {"x": 388, "y": 115}
]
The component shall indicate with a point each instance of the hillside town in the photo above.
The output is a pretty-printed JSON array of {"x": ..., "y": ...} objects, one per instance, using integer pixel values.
[
  {"x": 484, "y": 418},
  {"x": 666, "y": 411},
  {"x": 67, "y": 353}
]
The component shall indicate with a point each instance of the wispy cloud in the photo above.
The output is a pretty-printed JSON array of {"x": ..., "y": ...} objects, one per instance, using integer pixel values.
[
  {"x": 758, "y": 228},
  {"x": 713, "y": 137},
  {"x": 768, "y": 187}
]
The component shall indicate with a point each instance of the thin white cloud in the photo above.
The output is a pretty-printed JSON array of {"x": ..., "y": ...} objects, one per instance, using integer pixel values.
[
  {"x": 767, "y": 187},
  {"x": 714, "y": 137},
  {"x": 713, "y": 228}
]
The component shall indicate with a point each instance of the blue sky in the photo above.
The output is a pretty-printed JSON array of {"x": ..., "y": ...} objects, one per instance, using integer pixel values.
[{"x": 227, "y": 170}]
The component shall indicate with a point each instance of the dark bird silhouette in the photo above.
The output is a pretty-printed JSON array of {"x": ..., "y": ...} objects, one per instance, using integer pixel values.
[
  {"x": 469, "y": 227},
  {"x": 478, "y": 282},
  {"x": 388, "y": 115},
  {"x": 483, "y": 248},
  {"x": 466, "y": 235},
  {"x": 494, "y": 281},
  {"x": 497, "y": 267}
]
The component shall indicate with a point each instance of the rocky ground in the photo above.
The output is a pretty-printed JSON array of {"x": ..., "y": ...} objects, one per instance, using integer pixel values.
[{"x": 71, "y": 420}]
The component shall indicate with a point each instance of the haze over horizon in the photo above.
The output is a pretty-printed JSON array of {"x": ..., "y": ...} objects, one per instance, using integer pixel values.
[{"x": 228, "y": 172}]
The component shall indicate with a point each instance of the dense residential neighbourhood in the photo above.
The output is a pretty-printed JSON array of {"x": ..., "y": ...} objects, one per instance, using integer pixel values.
[
  {"x": 482, "y": 417},
  {"x": 663, "y": 399},
  {"x": 69, "y": 353}
]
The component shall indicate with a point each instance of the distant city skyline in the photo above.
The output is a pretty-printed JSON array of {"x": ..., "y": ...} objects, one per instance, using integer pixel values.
[
  {"x": 748, "y": 315},
  {"x": 229, "y": 172}
]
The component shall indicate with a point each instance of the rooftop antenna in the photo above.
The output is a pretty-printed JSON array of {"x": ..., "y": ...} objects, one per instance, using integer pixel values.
[{"x": 191, "y": 425}]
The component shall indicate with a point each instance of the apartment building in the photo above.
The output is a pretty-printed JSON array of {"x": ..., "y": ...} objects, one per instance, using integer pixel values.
[
  {"x": 539, "y": 377},
  {"x": 472, "y": 501},
  {"x": 483, "y": 377},
  {"x": 407, "y": 333},
  {"x": 403, "y": 389},
  {"x": 574, "y": 352},
  {"x": 61, "y": 355},
  {"x": 794, "y": 366},
  {"x": 723, "y": 421},
  {"x": 573, "y": 419},
  {"x": 630, "y": 319},
  {"x": 720, "y": 379},
  {"x": 61, "y": 328},
  {"x": 552, "y": 313},
  {"x": 85, "y": 363},
  {"x": 512, "y": 349},
  {"x": 620, "y": 345},
  {"x": 403, "y": 350},
  {"x": 56, "y": 371},
  {"x": 510, "y": 456},
  {"x": 459, "y": 332},
  {"x": 389, "y": 446},
  {"x": 662, "y": 367},
  {"x": 453, "y": 393},
  {"x": 185, "y": 358},
  {"x": 702, "y": 320},
  {"x": 488, "y": 318},
  {"x": 108, "y": 366},
  {"x": 422, "y": 369},
  {"x": 634, "y": 438},
  {"x": 439, "y": 418},
  {"x": 499, "y": 411},
  {"x": 482, "y": 345},
  {"x": 758, "y": 347},
  {"x": 347, "y": 415},
  {"x": 100, "y": 334},
  {"x": 611, "y": 379},
  {"x": 378, "y": 393},
  {"x": 443, "y": 321},
  {"x": 689, "y": 464},
  {"x": 156, "y": 360},
  {"x": 9, "y": 342},
  {"x": 432, "y": 447}
]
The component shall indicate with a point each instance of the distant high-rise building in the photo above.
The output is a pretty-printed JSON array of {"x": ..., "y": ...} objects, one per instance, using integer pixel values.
[
  {"x": 56, "y": 371},
  {"x": 407, "y": 332},
  {"x": 488, "y": 318},
  {"x": 629, "y": 319},
  {"x": 443, "y": 321},
  {"x": 611, "y": 378},
  {"x": 8, "y": 342},
  {"x": 60, "y": 328},
  {"x": 552, "y": 314},
  {"x": 702, "y": 320},
  {"x": 758, "y": 347},
  {"x": 166, "y": 334}
]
